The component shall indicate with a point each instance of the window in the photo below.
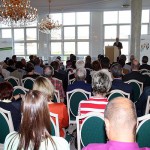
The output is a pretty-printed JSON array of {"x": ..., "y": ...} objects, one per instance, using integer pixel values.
[
  {"x": 124, "y": 31},
  {"x": 145, "y": 16},
  {"x": 18, "y": 34},
  {"x": 118, "y": 24},
  {"x": 124, "y": 16},
  {"x": 110, "y": 32},
  {"x": 73, "y": 37},
  {"x": 69, "y": 48},
  {"x": 56, "y": 48},
  {"x": 110, "y": 17},
  {"x": 6, "y": 33}
]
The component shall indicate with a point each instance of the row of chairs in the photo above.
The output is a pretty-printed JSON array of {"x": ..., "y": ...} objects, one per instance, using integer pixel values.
[
  {"x": 23, "y": 90},
  {"x": 6, "y": 125},
  {"x": 92, "y": 130},
  {"x": 26, "y": 82}
]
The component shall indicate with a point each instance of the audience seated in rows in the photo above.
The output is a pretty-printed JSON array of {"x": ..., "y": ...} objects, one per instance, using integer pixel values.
[
  {"x": 19, "y": 72},
  {"x": 10, "y": 103},
  {"x": 117, "y": 83},
  {"x": 120, "y": 124},
  {"x": 11, "y": 66},
  {"x": 35, "y": 129},
  {"x": 101, "y": 84},
  {"x": 79, "y": 83},
  {"x": 1, "y": 75},
  {"x": 30, "y": 71},
  {"x": 59, "y": 75},
  {"x": 88, "y": 62},
  {"x": 48, "y": 72},
  {"x": 144, "y": 63},
  {"x": 131, "y": 60},
  {"x": 44, "y": 85},
  {"x": 136, "y": 75},
  {"x": 141, "y": 103},
  {"x": 96, "y": 66},
  {"x": 126, "y": 67},
  {"x": 37, "y": 68}
]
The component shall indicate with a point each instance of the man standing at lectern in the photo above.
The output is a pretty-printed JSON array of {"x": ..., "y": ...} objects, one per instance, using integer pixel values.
[{"x": 119, "y": 45}]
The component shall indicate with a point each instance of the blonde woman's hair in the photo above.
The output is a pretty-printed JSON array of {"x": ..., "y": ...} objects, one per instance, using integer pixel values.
[{"x": 45, "y": 86}]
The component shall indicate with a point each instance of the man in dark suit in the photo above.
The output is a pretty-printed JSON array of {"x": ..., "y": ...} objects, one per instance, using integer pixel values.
[
  {"x": 119, "y": 45},
  {"x": 136, "y": 75},
  {"x": 144, "y": 63},
  {"x": 117, "y": 83}
]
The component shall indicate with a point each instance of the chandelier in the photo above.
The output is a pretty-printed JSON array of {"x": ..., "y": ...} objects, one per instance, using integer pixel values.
[
  {"x": 17, "y": 12},
  {"x": 47, "y": 24}
]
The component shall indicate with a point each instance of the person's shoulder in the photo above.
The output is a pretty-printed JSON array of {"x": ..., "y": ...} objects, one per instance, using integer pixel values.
[
  {"x": 61, "y": 143},
  {"x": 95, "y": 147}
]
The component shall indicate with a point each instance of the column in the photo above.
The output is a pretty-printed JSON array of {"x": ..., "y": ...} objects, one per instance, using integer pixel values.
[{"x": 136, "y": 14}]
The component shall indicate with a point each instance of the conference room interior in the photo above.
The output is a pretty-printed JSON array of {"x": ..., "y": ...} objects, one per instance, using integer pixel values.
[{"x": 86, "y": 28}]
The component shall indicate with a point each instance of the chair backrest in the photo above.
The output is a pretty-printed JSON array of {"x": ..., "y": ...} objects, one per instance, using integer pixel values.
[
  {"x": 54, "y": 124},
  {"x": 56, "y": 96},
  {"x": 137, "y": 88},
  {"x": 92, "y": 129},
  {"x": 19, "y": 90},
  {"x": 71, "y": 77},
  {"x": 12, "y": 80},
  {"x": 74, "y": 97},
  {"x": 117, "y": 93},
  {"x": 146, "y": 73},
  {"x": 28, "y": 82},
  {"x": 143, "y": 131},
  {"x": 143, "y": 71},
  {"x": 6, "y": 125},
  {"x": 147, "y": 110}
]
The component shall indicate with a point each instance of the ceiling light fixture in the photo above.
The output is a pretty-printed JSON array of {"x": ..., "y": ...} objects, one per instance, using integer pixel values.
[
  {"x": 47, "y": 24},
  {"x": 17, "y": 12}
]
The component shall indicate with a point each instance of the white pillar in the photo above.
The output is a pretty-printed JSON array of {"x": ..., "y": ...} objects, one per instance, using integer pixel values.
[{"x": 136, "y": 14}]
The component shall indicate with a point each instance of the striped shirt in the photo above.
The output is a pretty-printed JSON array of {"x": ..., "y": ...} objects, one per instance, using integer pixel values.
[{"x": 92, "y": 105}]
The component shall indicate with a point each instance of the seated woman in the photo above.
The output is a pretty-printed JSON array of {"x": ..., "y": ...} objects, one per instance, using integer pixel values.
[
  {"x": 30, "y": 71},
  {"x": 34, "y": 132},
  {"x": 101, "y": 84},
  {"x": 10, "y": 103},
  {"x": 44, "y": 85}
]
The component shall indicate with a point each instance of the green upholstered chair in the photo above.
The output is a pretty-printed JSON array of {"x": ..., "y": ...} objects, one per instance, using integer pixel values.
[
  {"x": 19, "y": 90},
  {"x": 92, "y": 129},
  {"x": 143, "y": 131},
  {"x": 117, "y": 93},
  {"x": 137, "y": 88},
  {"x": 6, "y": 125},
  {"x": 56, "y": 98},
  {"x": 12, "y": 80},
  {"x": 54, "y": 124},
  {"x": 74, "y": 97},
  {"x": 28, "y": 83}
]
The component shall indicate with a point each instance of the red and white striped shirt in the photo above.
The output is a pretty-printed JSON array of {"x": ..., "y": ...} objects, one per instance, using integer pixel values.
[{"x": 92, "y": 105}]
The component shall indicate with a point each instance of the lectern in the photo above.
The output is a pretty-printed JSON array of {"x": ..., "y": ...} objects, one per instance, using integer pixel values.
[{"x": 112, "y": 52}]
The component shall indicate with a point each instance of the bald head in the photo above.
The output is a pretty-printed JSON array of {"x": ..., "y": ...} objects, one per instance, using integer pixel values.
[
  {"x": 120, "y": 112},
  {"x": 135, "y": 65}
]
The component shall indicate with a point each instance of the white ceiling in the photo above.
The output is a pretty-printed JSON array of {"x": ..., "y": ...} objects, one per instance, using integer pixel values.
[{"x": 80, "y": 5}]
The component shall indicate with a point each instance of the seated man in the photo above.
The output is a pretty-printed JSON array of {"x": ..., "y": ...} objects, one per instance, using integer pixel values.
[
  {"x": 101, "y": 84},
  {"x": 136, "y": 75},
  {"x": 80, "y": 76},
  {"x": 144, "y": 63},
  {"x": 58, "y": 85},
  {"x": 117, "y": 83},
  {"x": 121, "y": 122}
]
